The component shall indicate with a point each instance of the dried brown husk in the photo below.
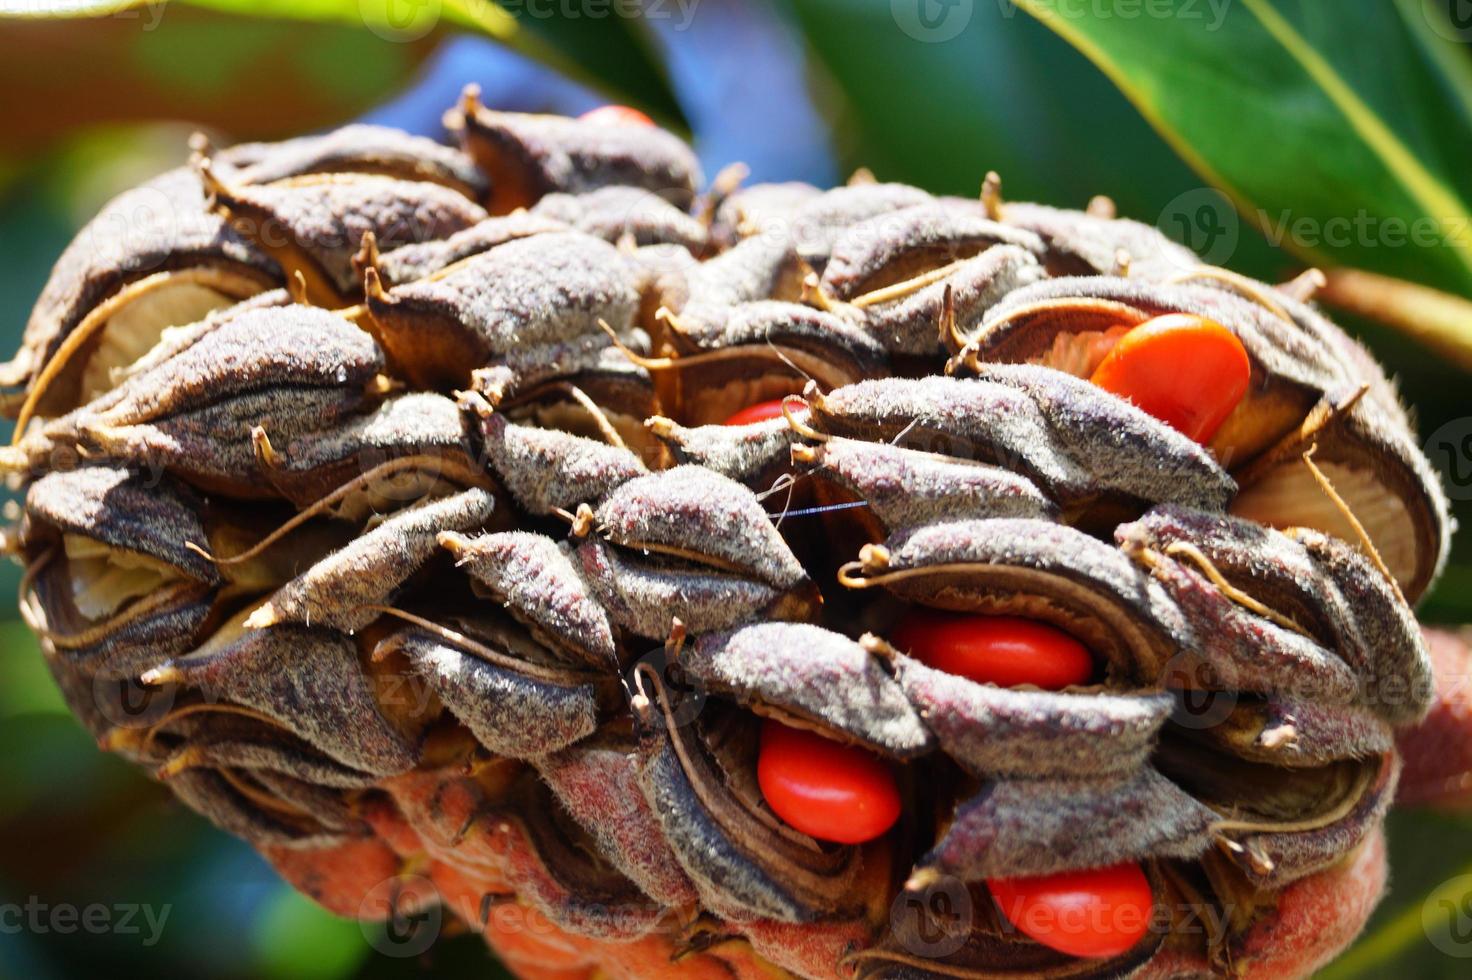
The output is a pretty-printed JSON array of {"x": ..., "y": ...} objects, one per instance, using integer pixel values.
[
  {"x": 528, "y": 156},
  {"x": 1311, "y": 387},
  {"x": 313, "y": 225},
  {"x": 518, "y": 698},
  {"x": 529, "y": 292},
  {"x": 289, "y": 370},
  {"x": 699, "y": 780},
  {"x": 153, "y": 258},
  {"x": 356, "y": 148}
]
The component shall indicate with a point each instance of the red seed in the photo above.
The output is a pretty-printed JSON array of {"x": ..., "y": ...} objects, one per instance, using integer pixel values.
[
  {"x": 1004, "y": 650},
  {"x": 825, "y": 789},
  {"x": 617, "y": 115},
  {"x": 1097, "y": 913},
  {"x": 1187, "y": 371},
  {"x": 760, "y": 412}
]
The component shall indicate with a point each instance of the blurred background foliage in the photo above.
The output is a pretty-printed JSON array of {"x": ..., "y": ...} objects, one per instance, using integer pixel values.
[{"x": 1249, "y": 129}]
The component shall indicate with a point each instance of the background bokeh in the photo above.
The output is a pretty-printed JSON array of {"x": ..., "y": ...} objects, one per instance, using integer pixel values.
[{"x": 934, "y": 92}]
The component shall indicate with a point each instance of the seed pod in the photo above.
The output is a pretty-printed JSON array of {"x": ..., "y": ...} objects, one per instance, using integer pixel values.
[
  {"x": 807, "y": 674},
  {"x": 1040, "y": 570},
  {"x": 1044, "y": 826},
  {"x": 550, "y": 862},
  {"x": 899, "y": 245},
  {"x": 1302, "y": 588},
  {"x": 693, "y": 514},
  {"x": 742, "y": 861},
  {"x": 1306, "y": 391},
  {"x": 357, "y": 148},
  {"x": 418, "y": 260},
  {"x": 613, "y": 213},
  {"x": 907, "y": 488},
  {"x": 763, "y": 209},
  {"x": 153, "y": 258},
  {"x": 817, "y": 223},
  {"x": 582, "y": 384},
  {"x": 406, "y": 447},
  {"x": 596, "y": 780},
  {"x": 345, "y": 590},
  {"x": 1303, "y": 926},
  {"x": 1283, "y": 824},
  {"x": 996, "y": 731},
  {"x": 542, "y": 586},
  {"x": 546, "y": 470},
  {"x": 314, "y": 225},
  {"x": 231, "y": 802},
  {"x": 756, "y": 352},
  {"x": 193, "y": 737},
  {"x": 918, "y": 317},
  {"x": 113, "y": 585},
  {"x": 533, "y": 291},
  {"x": 1048, "y": 321},
  {"x": 308, "y": 680},
  {"x": 1298, "y": 732},
  {"x": 290, "y": 370},
  {"x": 528, "y": 156},
  {"x": 176, "y": 339},
  {"x": 517, "y": 698},
  {"x": 1078, "y": 448},
  {"x": 642, "y": 595},
  {"x": 756, "y": 269},
  {"x": 749, "y": 454},
  {"x": 1084, "y": 244}
]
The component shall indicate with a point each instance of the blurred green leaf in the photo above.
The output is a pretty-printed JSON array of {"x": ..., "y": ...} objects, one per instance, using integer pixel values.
[
  {"x": 606, "y": 53},
  {"x": 1004, "y": 93},
  {"x": 28, "y": 687},
  {"x": 296, "y": 940}
]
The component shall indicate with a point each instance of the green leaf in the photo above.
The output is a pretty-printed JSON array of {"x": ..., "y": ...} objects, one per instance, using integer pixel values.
[
  {"x": 296, "y": 940},
  {"x": 1341, "y": 133},
  {"x": 610, "y": 57}
]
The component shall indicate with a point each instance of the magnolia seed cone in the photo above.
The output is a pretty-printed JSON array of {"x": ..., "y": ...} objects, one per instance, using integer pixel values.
[{"x": 376, "y": 501}]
